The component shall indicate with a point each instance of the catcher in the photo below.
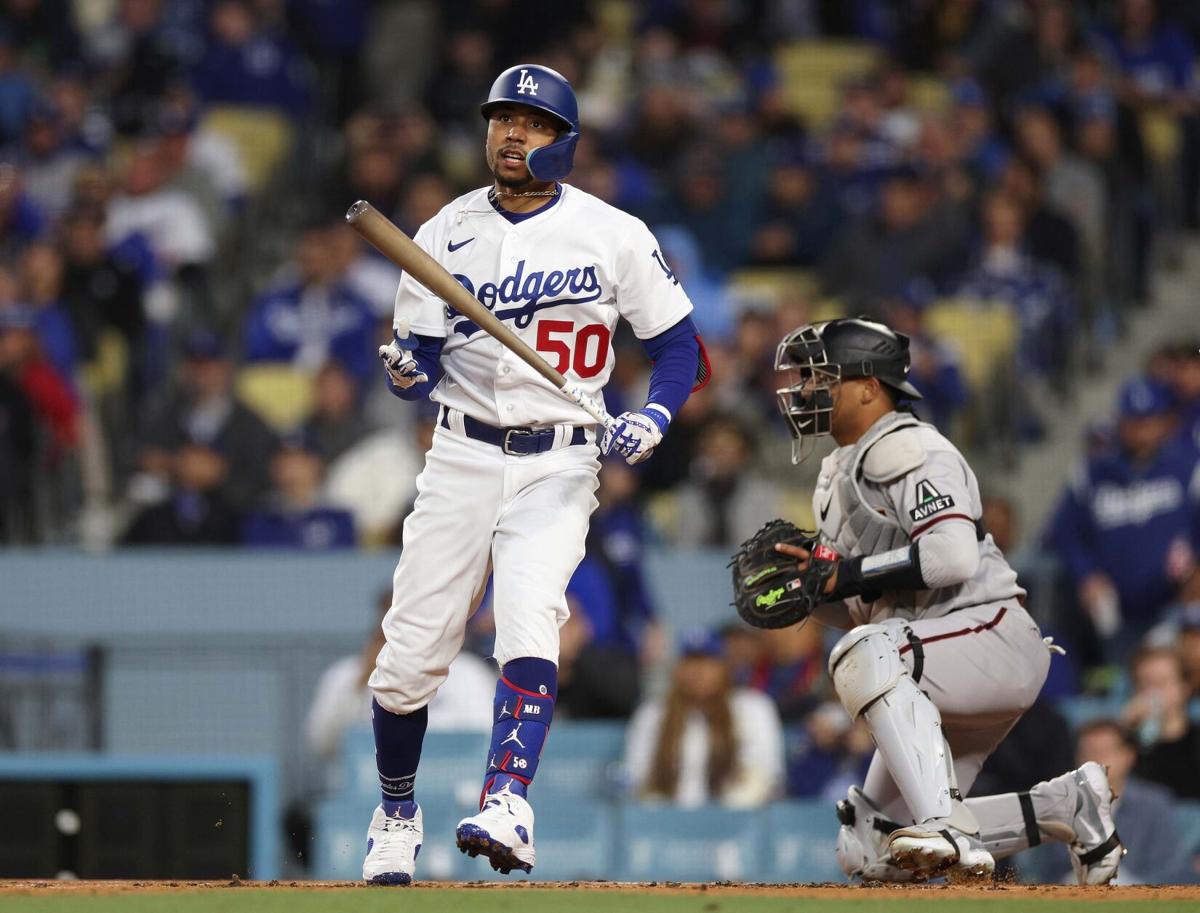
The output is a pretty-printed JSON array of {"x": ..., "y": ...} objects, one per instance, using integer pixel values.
[{"x": 940, "y": 658}]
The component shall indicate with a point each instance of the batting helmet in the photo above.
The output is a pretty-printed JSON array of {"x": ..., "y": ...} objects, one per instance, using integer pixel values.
[
  {"x": 827, "y": 353},
  {"x": 546, "y": 90}
]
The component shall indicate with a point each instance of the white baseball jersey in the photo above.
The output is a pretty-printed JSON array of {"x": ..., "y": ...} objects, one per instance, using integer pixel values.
[
  {"x": 560, "y": 279},
  {"x": 896, "y": 482}
]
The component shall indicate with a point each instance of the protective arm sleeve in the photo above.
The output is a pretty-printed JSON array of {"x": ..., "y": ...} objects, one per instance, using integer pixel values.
[
  {"x": 946, "y": 555},
  {"x": 428, "y": 354},
  {"x": 675, "y": 353}
]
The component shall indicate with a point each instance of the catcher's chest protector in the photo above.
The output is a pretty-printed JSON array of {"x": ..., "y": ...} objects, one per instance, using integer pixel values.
[{"x": 847, "y": 522}]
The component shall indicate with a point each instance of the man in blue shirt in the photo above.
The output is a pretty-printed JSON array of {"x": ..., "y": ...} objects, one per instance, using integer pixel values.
[{"x": 1128, "y": 526}]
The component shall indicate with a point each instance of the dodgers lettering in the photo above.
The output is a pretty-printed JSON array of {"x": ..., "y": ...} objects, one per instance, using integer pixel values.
[{"x": 580, "y": 282}]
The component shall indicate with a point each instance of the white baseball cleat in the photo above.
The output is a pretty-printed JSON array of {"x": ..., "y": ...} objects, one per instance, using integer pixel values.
[
  {"x": 1096, "y": 850},
  {"x": 392, "y": 847},
  {"x": 502, "y": 831},
  {"x": 927, "y": 850}
]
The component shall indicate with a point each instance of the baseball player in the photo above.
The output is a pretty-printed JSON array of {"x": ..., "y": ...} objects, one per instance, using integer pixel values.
[
  {"x": 941, "y": 658},
  {"x": 510, "y": 479}
]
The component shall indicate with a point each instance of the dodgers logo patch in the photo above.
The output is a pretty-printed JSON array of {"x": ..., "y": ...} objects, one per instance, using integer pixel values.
[{"x": 929, "y": 501}]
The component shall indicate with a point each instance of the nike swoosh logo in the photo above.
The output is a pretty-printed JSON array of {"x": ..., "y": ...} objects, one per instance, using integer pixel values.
[
  {"x": 452, "y": 247},
  {"x": 825, "y": 509}
]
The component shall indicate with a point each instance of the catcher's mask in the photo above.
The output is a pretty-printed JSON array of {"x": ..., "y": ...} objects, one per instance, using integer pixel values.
[{"x": 817, "y": 357}]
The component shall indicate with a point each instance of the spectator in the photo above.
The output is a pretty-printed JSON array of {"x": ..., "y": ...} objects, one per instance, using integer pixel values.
[
  {"x": 595, "y": 681},
  {"x": 48, "y": 392},
  {"x": 1184, "y": 379},
  {"x": 139, "y": 59},
  {"x": 296, "y": 514},
  {"x": 1156, "y": 63},
  {"x": 725, "y": 500},
  {"x": 1144, "y": 812},
  {"x": 315, "y": 317},
  {"x": 204, "y": 411},
  {"x": 1169, "y": 743},
  {"x": 800, "y": 217},
  {"x": 915, "y": 233},
  {"x": 21, "y": 220},
  {"x": 171, "y": 222},
  {"x": 196, "y": 512},
  {"x": 337, "y": 423},
  {"x": 1126, "y": 527},
  {"x": 1073, "y": 186},
  {"x": 41, "y": 290},
  {"x": 1034, "y": 750},
  {"x": 50, "y": 164},
  {"x": 935, "y": 365},
  {"x": 1039, "y": 299},
  {"x": 789, "y": 670},
  {"x": 1049, "y": 236},
  {"x": 1189, "y": 645},
  {"x": 17, "y": 92},
  {"x": 705, "y": 741},
  {"x": 250, "y": 65},
  {"x": 828, "y": 754},
  {"x": 100, "y": 290},
  {"x": 342, "y": 699},
  {"x": 18, "y": 452}
]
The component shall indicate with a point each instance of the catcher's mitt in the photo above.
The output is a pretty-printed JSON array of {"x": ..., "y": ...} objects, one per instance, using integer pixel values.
[{"x": 769, "y": 590}]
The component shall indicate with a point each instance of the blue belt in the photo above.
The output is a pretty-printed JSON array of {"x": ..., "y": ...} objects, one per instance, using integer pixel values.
[{"x": 513, "y": 441}]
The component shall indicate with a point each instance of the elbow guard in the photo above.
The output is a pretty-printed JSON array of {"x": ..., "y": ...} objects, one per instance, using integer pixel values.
[{"x": 868, "y": 576}]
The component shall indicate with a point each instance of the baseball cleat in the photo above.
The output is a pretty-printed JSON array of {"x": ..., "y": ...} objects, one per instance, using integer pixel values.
[
  {"x": 502, "y": 831},
  {"x": 392, "y": 847},
  {"x": 1096, "y": 850},
  {"x": 927, "y": 850}
]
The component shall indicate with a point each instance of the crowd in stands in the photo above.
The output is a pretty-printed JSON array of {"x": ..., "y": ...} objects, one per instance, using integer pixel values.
[{"x": 188, "y": 329}]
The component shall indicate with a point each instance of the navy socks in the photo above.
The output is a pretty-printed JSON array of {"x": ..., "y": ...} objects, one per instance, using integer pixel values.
[{"x": 398, "y": 739}]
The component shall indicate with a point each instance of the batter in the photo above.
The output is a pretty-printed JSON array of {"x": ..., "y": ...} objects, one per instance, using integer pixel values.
[
  {"x": 941, "y": 658},
  {"x": 510, "y": 480}
]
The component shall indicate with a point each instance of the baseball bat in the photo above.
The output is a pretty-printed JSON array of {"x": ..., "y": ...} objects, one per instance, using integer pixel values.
[{"x": 394, "y": 244}]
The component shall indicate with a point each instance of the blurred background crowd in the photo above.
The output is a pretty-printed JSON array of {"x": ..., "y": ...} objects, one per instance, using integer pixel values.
[{"x": 188, "y": 329}]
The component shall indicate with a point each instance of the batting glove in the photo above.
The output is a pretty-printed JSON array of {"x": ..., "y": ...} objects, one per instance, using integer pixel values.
[
  {"x": 634, "y": 435},
  {"x": 402, "y": 369}
]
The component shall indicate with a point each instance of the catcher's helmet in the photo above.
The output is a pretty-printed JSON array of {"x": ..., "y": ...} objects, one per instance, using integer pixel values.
[
  {"x": 824, "y": 354},
  {"x": 546, "y": 90}
]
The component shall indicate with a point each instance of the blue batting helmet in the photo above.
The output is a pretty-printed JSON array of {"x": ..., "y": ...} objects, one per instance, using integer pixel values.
[{"x": 546, "y": 90}]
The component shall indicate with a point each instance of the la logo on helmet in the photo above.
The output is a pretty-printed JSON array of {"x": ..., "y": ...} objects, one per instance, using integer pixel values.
[{"x": 526, "y": 82}]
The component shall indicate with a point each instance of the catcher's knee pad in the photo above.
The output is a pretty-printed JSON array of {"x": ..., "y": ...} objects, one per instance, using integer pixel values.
[
  {"x": 872, "y": 682},
  {"x": 864, "y": 666}
]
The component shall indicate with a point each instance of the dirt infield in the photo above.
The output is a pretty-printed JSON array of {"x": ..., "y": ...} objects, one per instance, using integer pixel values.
[{"x": 1007, "y": 892}]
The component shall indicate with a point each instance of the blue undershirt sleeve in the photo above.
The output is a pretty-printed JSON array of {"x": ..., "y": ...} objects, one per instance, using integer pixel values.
[
  {"x": 675, "y": 353},
  {"x": 428, "y": 353}
]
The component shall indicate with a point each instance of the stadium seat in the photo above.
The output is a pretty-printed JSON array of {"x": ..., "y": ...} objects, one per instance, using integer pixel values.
[
  {"x": 105, "y": 374},
  {"x": 279, "y": 394},
  {"x": 813, "y": 71},
  {"x": 983, "y": 332},
  {"x": 673, "y": 844},
  {"x": 263, "y": 137},
  {"x": 580, "y": 760},
  {"x": 801, "y": 841}
]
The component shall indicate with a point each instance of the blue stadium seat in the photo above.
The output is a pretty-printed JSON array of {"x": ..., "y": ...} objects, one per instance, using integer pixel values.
[
  {"x": 1187, "y": 820},
  {"x": 340, "y": 837},
  {"x": 1083, "y": 709},
  {"x": 580, "y": 760},
  {"x": 801, "y": 842},
  {"x": 672, "y": 844}
]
